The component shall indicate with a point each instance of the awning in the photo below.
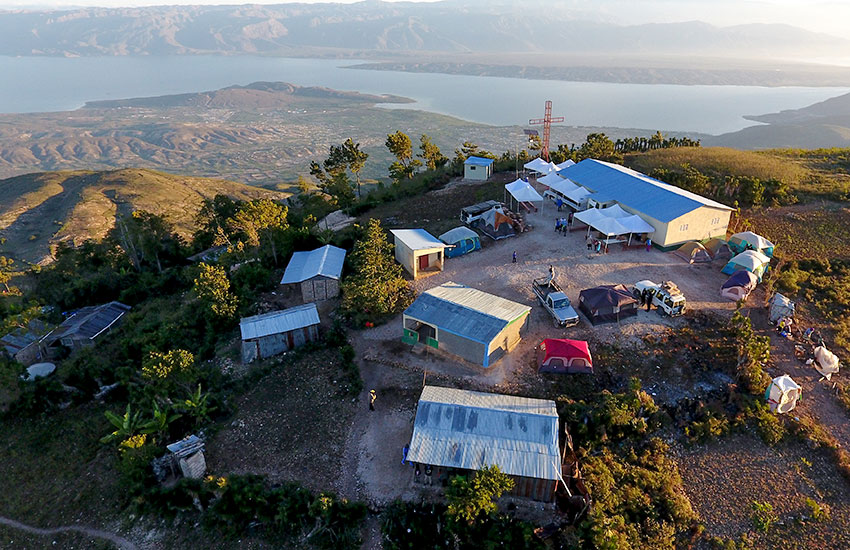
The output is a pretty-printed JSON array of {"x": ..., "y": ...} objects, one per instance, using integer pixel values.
[
  {"x": 636, "y": 224},
  {"x": 551, "y": 179},
  {"x": 522, "y": 191},
  {"x": 540, "y": 166},
  {"x": 600, "y": 222}
]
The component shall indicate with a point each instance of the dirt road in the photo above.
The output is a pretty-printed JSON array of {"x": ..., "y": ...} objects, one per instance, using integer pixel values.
[{"x": 119, "y": 542}]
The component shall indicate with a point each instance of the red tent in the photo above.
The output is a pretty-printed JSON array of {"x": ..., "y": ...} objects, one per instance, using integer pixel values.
[{"x": 564, "y": 356}]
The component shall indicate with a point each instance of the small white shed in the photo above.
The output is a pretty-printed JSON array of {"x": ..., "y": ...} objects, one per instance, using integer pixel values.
[
  {"x": 477, "y": 168},
  {"x": 418, "y": 251}
]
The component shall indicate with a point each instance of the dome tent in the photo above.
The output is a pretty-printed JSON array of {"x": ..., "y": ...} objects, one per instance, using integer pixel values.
[
  {"x": 747, "y": 240},
  {"x": 564, "y": 356},
  {"x": 752, "y": 261},
  {"x": 780, "y": 307},
  {"x": 693, "y": 252},
  {"x": 607, "y": 303},
  {"x": 739, "y": 285},
  {"x": 782, "y": 394},
  {"x": 463, "y": 241},
  {"x": 826, "y": 362},
  {"x": 718, "y": 248}
]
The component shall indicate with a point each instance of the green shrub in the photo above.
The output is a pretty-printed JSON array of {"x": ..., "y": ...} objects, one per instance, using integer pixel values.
[
  {"x": 710, "y": 427},
  {"x": 819, "y": 512},
  {"x": 769, "y": 426},
  {"x": 763, "y": 516}
]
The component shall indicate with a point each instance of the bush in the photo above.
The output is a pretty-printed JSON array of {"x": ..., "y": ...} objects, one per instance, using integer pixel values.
[
  {"x": 769, "y": 426},
  {"x": 818, "y": 512},
  {"x": 763, "y": 516}
]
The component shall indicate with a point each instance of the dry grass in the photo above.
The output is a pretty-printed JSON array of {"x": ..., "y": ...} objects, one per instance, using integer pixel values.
[{"x": 804, "y": 232}]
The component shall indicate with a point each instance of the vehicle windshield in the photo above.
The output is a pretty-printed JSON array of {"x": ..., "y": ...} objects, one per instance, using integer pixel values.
[{"x": 562, "y": 303}]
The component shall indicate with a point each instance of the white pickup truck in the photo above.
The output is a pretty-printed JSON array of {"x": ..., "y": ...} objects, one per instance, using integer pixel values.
[
  {"x": 555, "y": 301},
  {"x": 666, "y": 297}
]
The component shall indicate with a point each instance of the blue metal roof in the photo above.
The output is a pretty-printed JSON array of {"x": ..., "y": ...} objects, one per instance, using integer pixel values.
[
  {"x": 466, "y": 312},
  {"x": 278, "y": 322},
  {"x": 326, "y": 261},
  {"x": 478, "y": 161},
  {"x": 612, "y": 182}
]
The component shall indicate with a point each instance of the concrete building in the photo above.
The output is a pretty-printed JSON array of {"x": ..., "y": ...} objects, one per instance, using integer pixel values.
[
  {"x": 477, "y": 168},
  {"x": 317, "y": 272},
  {"x": 465, "y": 322},
  {"x": 419, "y": 252},
  {"x": 275, "y": 332},
  {"x": 678, "y": 216},
  {"x": 456, "y": 432}
]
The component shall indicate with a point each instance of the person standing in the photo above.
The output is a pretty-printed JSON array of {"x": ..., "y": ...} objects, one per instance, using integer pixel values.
[
  {"x": 372, "y": 397},
  {"x": 599, "y": 247},
  {"x": 648, "y": 300},
  {"x": 589, "y": 242},
  {"x": 648, "y": 244},
  {"x": 570, "y": 218},
  {"x": 551, "y": 273},
  {"x": 513, "y": 258}
]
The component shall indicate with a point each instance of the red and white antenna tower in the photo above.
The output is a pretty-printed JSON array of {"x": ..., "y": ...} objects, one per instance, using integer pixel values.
[{"x": 546, "y": 121}]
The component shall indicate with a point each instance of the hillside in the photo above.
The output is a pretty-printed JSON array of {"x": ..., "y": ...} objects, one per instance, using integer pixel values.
[
  {"x": 821, "y": 125},
  {"x": 41, "y": 209},
  {"x": 363, "y": 27}
]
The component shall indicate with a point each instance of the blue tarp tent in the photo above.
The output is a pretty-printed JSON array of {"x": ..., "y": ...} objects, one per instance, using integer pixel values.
[
  {"x": 752, "y": 261},
  {"x": 747, "y": 240},
  {"x": 463, "y": 241}
]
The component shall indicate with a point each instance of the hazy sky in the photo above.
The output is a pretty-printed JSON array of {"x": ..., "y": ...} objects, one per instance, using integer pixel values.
[{"x": 831, "y": 16}]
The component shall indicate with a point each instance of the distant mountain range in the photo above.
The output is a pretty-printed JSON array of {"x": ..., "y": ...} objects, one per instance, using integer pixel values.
[
  {"x": 39, "y": 210},
  {"x": 822, "y": 125},
  {"x": 377, "y": 27}
]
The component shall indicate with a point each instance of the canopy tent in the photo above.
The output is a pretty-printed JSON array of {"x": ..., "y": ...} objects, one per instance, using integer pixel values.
[
  {"x": 614, "y": 211},
  {"x": 463, "y": 240},
  {"x": 552, "y": 179},
  {"x": 564, "y": 356},
  {"x": 748, "y": 240},
  {"x": 635, "y": 224},
  {"x": 607, "y": 303},
  {"x": 826, "y": 362},
  {"x": 620, "y": 223},
  {"x": 718, "y": 248},
  {"x": 753, "y": 261},
  {"x": 578, "y": 195},
  {"x": 566, "y": 164},
  {"x": 693, "y": 252},
  {"x": 739, "y": 285},
  {"x": 540, "y": 166},
  {"x": 782, "y": 394},
  {"x": 780, "y": 307}
]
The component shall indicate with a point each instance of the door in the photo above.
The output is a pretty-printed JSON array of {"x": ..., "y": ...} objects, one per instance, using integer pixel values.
[{"x": 423, "y": 261}]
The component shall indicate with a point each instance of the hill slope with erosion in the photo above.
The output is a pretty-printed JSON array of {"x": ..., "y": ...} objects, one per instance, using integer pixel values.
[{"x": 39, "y": 210}]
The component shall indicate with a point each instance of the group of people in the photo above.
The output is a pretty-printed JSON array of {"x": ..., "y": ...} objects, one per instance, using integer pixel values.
[
  {"x": 594, "y": 244},
  {"x": 563, "y": 225},
  {"x": 646, "y": 298}
]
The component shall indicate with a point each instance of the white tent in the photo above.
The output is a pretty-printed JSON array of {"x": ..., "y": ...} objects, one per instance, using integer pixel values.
[
  {"x": 782, "y": 394},
  {"x": 522, "y": 191},
  {"x": 614, "y": 211},
  {"x": 566, "y": 164},
  {"x": 780, "y": 307},
  {"x": 577, "y": 195},
  {"x": 635, "y": 224},
  {"x": 826, "y": 362},
  {"x": 563, "y": 187},
  {"x": 595, "y": 219},
  {"x": 551, "y": 179},
  {"x": 540, "y": 166}
]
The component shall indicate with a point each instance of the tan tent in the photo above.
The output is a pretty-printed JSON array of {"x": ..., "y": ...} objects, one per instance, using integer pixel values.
[
  {"x": 693, "y": 252},
  {"x": 718, "y": 248},
  {"x": 826, "y": 362}
]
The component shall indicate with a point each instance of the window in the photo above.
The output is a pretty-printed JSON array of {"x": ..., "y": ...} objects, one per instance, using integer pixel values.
[
  {"x": 715, "y": 221},
  {"x": 683, "y": 227},
  {"x": 472, "y": 167}
]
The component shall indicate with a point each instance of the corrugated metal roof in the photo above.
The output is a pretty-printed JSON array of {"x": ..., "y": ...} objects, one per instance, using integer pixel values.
[
  {"x": 417, "y": 239},
  {"x": 458, "y": 234},
  {"x": 465, "y": 311},
  {"x": 277, "y": 322},
  {"x": 478, "y": 161},
  {"x": 87, "y": 323},
  {"x": 472, "y": 430},
  {"x": 657, "y": 199},
  {"x": 326, "y": 261}
]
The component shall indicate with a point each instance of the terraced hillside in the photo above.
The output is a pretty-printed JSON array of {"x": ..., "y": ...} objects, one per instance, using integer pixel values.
[{"x": 39, "y": 210}]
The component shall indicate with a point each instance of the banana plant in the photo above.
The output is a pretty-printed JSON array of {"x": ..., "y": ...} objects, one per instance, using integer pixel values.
[
  {"x": 160, "y": 421},
  {"x": 197, "y": 406},
  {"x": 125, "y": 426}
]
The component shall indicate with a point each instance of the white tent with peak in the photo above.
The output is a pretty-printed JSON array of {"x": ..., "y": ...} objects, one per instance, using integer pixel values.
[
  {"x": 540, "y": 166},
  {"x": 782, "y": 394},
  {"x": 523, "y": 193}
]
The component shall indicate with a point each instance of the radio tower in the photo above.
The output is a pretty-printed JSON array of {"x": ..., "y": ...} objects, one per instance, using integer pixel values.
[{"x": 546, "y": 121}]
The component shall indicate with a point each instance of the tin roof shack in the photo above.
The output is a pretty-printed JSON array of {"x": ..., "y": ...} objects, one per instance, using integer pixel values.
[
  {"x": 465, "y": 322},
  {"x": 459, "y": 431},
  {"x": 22, "y": 344},
  {"x": 477, "y": 169},
  {"x": 317, "y": 271},
  {"x": 419, "y": 252},
  {"x": 275, "y": 332},
  {"x": 188, "y": 455},
  {"x": 85, "y": 326}
]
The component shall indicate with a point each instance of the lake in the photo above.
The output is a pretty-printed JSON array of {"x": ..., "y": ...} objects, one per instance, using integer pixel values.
[{"x": 33, "y": 84}]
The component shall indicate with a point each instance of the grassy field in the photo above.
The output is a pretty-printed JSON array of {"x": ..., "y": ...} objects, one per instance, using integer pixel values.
[{"x": 39, "y": 210}]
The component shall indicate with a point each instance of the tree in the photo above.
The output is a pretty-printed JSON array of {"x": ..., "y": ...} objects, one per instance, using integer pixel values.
[
  {"x": 147, "y": 238},
  {"x": 197, "y": 406},
  {"x": 165, "y": 371},
  {"x": 469, "y": 500},
  {"x": 431, "y": 153},
  {"x": 212, "y": 219},
  {"x": 401, "y": 146},
  {"x": 332, "y": 173},
  {"x": 469, "y": 149},
  {"x": 600, "y": 147},
  {"x": 125, "y": 426},
  {"x": 261, "y": 222},
  {"x": 356, "y": 160},
  {"x": 213, "y": 288},
  {"x": 377, "y": 284},
  {"x": 158, "y": 425},
  {"x": 6, "y": 270}
]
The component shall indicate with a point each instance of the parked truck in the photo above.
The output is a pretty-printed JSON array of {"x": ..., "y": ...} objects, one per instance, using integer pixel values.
[
  {"x": 555, "y": 301},
  {"x": 666, "y": 297}
]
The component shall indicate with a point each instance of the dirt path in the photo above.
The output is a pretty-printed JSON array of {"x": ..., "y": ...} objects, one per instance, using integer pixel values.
[{"x": 119, "y": 542}]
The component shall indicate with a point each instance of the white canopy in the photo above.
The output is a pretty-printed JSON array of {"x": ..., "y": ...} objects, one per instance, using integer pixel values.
[
  {"x": 566, "y": 164},
  {"x": 600, "y": 222},
  {"x": 550, "y": 180},
  {"x": 615, "y": 211},
  {"x": 540, "y": 166},
  {"x": 564, "y": 187},
  {"x": 782, "y": 394},
  {"x": 522, "y": 191},
  {"x": 578, "y": 194},
  {"x": 636, "y": 224},
  {"x": 826, "y": 362}
]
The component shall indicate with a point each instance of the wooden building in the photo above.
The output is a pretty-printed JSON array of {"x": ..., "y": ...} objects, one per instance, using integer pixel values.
[{"x": 278, "y": 331}]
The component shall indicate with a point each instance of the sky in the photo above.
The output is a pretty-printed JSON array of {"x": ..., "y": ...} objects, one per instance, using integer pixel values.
[{"x": 829, "y": 16}]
